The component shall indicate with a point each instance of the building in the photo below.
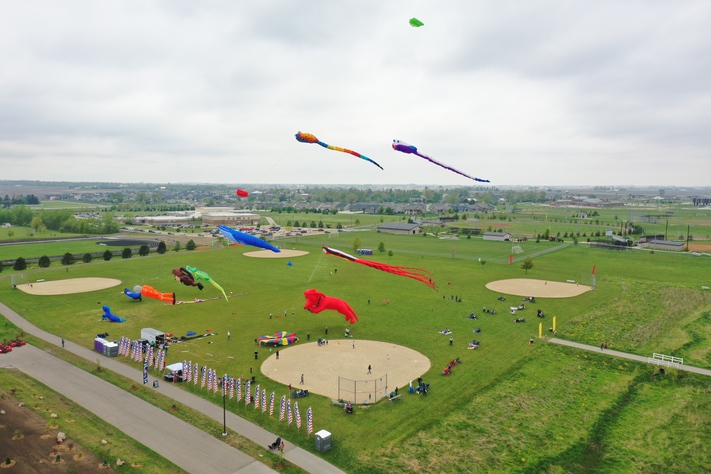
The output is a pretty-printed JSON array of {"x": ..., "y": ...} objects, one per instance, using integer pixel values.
[
  {"x": 649, "y": 238},
  {"x": 399, "y": 228},
  {"x": 415, "y": 209},
  {"x": 170, "y": 220},
  {"x": 500, "y": 236},
  {"x": 232, "y": 219},
  {"x": 666, "y": 245}
]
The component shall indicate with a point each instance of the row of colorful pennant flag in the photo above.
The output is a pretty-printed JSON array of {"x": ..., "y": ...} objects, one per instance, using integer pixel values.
[{"x": 230, "y": 385}]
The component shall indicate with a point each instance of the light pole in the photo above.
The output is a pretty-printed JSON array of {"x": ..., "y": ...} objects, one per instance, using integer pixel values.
[{"x": 224, "y": 407}]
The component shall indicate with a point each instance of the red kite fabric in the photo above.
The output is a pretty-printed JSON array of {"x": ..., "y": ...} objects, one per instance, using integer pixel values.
[
  {"x": 242, "y": 193},
  {"x": 317, "y": 302},
  {"x": 410, "y": 272}
]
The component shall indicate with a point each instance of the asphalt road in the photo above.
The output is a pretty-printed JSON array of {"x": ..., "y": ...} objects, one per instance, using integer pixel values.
[{"x": 169, "y": 440}]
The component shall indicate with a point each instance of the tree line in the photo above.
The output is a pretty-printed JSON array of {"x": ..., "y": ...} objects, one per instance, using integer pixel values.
[
  {"x": 60, "y": 220},
  {"x": 70, "y": 259}
]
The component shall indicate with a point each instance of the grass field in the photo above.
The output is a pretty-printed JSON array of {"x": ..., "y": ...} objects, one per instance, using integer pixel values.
[
  {"x": 509, "y": 407},
  {"x": 38, "y": 249}
]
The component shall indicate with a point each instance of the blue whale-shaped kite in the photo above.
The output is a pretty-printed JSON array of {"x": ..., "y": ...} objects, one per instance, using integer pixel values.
[{"x": 245, "y": 239}]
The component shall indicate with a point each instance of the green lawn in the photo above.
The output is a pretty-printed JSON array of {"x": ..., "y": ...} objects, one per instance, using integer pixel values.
[
  {"x": 38, "y": 249},
  {"x": 509, "y": 407}
]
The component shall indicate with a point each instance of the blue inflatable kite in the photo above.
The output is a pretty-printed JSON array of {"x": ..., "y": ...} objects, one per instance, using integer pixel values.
[
  {"x": 245, "y": 239},
  {"x": 111, "y": 317},
  {"x": 134, "y": 295}
]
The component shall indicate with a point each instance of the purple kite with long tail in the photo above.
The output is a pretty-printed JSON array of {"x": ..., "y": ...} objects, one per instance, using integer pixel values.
[{"x": 411, "y": 149}]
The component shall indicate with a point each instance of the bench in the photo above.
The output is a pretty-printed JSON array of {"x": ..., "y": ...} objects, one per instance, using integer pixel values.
[{"x": 396, "y": 397}]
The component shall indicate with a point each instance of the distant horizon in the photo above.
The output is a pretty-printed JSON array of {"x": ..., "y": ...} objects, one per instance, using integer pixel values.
[{"x": 14, "y": 183}]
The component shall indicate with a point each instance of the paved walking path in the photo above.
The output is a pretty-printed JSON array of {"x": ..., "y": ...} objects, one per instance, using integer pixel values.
[
  {"x": 624, "y": 355},
  {"x": 165, "y": 445},
  {"x": 183, "y": 444}
]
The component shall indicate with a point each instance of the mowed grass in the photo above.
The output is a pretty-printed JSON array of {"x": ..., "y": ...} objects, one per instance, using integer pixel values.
[
  {"x": 505, "y": 385},
  {"x": 56, "y": 249}
]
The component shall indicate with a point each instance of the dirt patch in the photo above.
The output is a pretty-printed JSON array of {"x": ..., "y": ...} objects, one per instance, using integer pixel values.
[
  {"x": 321, "y": 366},
  {"x": 699, "y": 247},
  {"x": 36, "y": 450},
  {"x": 537, "y": 288},
  {"x": 66, "y": 287},
  {"x": 285, "y": 253}
]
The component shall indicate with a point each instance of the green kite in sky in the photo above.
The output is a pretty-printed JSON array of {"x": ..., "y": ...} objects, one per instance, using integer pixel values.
[{"x": 415, "y": 22}]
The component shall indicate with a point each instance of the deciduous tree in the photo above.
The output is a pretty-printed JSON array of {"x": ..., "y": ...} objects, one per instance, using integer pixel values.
[{"x": 527, "y": 264}]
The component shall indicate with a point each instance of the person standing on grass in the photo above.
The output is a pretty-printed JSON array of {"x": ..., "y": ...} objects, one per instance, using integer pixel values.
[
  {"x": 602, "y": 346},
  {"x": 228, "y": 335},
  {"x": 451, "y": 340}
]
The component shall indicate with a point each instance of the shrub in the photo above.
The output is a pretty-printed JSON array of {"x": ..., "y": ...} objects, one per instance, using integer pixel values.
[
  {"x": 87, "y": 258},
  {"x": 20, "y": 264},
  {"x": 190, "y": 245},
  {"x": 126, "y": 253},
  {"x": 144, "y": 250},
  {"x": 68, "y": 259},
  {"x": 161, "y": 248},
  {"x": 108, "y": 255},
  {"x": 44, "y": 261}
]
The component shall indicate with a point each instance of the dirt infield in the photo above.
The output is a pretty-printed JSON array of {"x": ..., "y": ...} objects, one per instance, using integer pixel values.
[
  {"x": 537, "y": 288},
  {"x": 699, "y": 247},
  {"x": 321, "y": 365},
  {"x": 66, "y": 287},
  {"x": 285, "y": 253}
]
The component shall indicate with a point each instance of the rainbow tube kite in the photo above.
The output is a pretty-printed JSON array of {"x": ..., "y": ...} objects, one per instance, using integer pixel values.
[
  {"x": 411, "y": 149},
  {"x": 410, "y": 272},
  {"x": 309, "y": 138}
]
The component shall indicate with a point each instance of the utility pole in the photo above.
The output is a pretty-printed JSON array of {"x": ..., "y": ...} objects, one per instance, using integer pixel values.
[{"x": 224, "y": 406}]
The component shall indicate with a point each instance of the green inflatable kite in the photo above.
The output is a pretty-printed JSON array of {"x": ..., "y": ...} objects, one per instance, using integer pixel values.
[{"x": 203, "y": 276}]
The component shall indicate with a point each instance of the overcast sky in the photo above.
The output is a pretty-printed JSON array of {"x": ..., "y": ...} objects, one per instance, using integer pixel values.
[{"x": 518, "y": 92}]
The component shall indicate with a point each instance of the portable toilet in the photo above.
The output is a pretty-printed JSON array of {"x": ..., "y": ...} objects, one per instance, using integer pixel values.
[
  {"x": 99, "y": 343},
  {"x": 323, "y": 441},
  {"x": 111, "y": 349}
]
